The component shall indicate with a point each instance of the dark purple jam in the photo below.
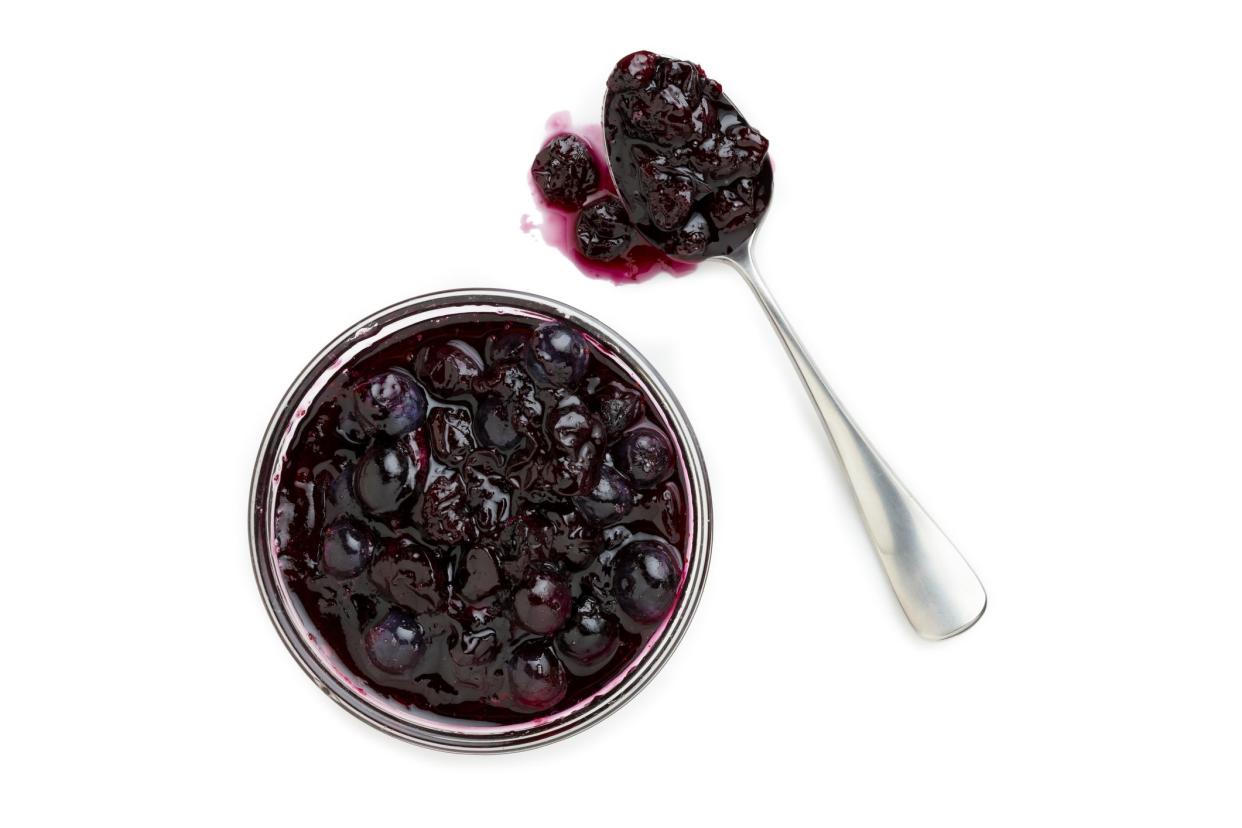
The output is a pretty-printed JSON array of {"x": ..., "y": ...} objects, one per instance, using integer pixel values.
[
  {"x": 484, "y": 518},
  {"x": 693, "y": 173}
]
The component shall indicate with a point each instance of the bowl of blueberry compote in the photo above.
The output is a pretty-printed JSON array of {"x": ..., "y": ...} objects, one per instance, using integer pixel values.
[{"x": 480, "y": 520}]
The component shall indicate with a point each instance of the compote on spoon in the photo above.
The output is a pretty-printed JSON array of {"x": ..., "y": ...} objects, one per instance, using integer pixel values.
[{"x": 696, "y": 181}]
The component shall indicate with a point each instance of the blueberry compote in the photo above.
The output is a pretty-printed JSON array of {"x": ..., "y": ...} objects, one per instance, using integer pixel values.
[
  {"x": 483, "y": 518},
  {"x": 693, "y": 173},
  {"x": 690, "y": 178}
]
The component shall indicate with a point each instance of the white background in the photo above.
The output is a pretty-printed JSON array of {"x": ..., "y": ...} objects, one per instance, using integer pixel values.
[{"x": 1009, "y": 232}]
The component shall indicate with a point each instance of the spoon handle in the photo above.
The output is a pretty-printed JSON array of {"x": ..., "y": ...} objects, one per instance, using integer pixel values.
[{"x": 937, "y": 589}]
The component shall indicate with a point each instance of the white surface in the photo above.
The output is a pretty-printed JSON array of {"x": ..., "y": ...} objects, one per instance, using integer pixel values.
[{"x": 1012, "y": 237}]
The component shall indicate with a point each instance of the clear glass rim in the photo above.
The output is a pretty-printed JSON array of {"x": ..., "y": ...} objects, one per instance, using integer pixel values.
[{"x": 539, "y": 732}]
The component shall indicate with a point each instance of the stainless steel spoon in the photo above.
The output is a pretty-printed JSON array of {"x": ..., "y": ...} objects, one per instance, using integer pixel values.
[{"x": 937, "y": 589}]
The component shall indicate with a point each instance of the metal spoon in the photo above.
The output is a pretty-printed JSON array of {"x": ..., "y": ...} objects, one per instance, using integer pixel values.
[{"x": 937, "y": 589}]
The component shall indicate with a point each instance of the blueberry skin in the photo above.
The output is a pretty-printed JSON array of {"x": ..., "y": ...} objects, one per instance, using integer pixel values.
[
  {"x": 557, "y": 355},
  {"x": 644, "y": 580},
  {"x": 396, "y": 644},
  {"x": 347, "y": 548},
  {"x": 391, "y": 403}
]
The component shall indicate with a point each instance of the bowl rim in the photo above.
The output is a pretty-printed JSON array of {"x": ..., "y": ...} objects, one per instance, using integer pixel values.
[{"x": 454, "y": 302}]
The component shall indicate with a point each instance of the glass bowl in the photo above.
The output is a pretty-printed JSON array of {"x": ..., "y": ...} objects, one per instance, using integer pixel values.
[{"x": 321, "y": 663}]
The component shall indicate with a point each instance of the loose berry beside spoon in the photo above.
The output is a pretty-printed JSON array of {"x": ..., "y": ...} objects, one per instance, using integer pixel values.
[{"x": 694, "y": 181}]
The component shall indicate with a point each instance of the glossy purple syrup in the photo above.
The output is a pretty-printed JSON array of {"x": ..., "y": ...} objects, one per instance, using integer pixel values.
[
  {"x": 453, "y": 523},
  {"x": 558, "y": 221}
]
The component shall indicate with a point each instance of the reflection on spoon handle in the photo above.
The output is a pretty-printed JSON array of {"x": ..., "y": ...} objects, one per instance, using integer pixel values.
[{"x": 937, "y": 589}]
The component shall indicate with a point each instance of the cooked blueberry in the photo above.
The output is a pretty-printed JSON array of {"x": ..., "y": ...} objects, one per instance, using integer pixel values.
[
  {"x": 691, "y": 240},
  {"x": 603, "y": 231},
  {"x": 487, "y": 490},
  {"x": 391, "y": 403},
  {"x": 736, "y": 152},
  {"x": 525, "y": 540},
  {"x": 578, "y": 438},
  {"x": 557, "y": 355},
  {"x": 664, "y": 111},
  {"x": 644, "y": 455},
  {"x": 591, "y": 635},
  {"x": 727, "y": 209},
  {"x": 396, "y": 644},
  {"x": 542, "y": 602},
  {"x": 448, "y": 368},
  {"x": 493, "y": 426},
  {"x": 565, "y": 171},
  {"x": 451, "y": 436},
  {"x": 574, "y": 474},
  {"x": 509, "y": 346},
  {"x": 669, "y": 196},
  {"x": 609, "y": 501},
  {"x": 574, "y": 540},
  {"x": 571, "y": 425},
  {"x": 446, "y": 516},
  {"x": 347, "y": 548},
  {"x": 619, "y": 407},
  {"x": 409, "y": 575},
  {"x": 479, "y": 576},
  {"x": 385, "y": 477},
  {"x": 645, "y": 578},
  {"x": 537, "y": 677},
  {"x": 510, "y": 408},
  {"x": 633, "y": 71}
]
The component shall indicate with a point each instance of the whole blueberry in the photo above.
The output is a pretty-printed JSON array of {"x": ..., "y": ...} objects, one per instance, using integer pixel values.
[
  {"x": 644, "y": 455},
  {"x": 603, "y": 231},
  {"x": 565, "y": 171},
  {"x": 644, "y": 579},
  {"x": 537, "y": 677},
  {"x": 557, "y": 355},
  {"x": 619, "y": 406},
  {"x": 542, "y": 602},
  {"x": 591, "y": 635},
  {"x": 391, "y": 403},
  {"x": 609, "y": 501},
  {"x": 347, "y": 548},
  {"x": 386, "y": 475},
  {"x": 396, "y": 644}
]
